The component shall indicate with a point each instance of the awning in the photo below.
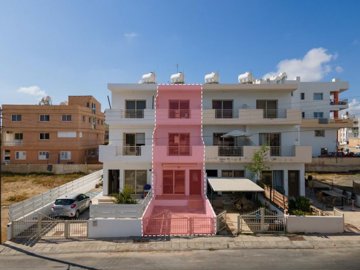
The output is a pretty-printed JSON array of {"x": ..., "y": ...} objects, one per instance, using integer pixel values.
[
  {"x": 234, "y": 184},
  {"x": 235, "y": 133}
]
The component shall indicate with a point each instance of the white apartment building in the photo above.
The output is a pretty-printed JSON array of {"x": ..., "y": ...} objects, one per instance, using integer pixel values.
[{"x": 297, "y": 120}]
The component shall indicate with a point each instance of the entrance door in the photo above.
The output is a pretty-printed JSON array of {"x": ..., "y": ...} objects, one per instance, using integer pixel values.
[
  {"x": 195, "y": 182},
  {"x": 294, "y": 183},
  {"x": 114, "y": 181}
]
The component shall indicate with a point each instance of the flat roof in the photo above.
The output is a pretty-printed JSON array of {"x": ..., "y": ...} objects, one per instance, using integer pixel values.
[{"x": 233, "y": 184}]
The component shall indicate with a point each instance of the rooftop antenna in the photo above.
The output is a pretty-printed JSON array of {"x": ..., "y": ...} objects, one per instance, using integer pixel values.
[{"x": 109, "y": 101}]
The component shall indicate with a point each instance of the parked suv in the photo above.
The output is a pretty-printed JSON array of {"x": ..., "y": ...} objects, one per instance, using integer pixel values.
[{"x": 70, "y": 205}]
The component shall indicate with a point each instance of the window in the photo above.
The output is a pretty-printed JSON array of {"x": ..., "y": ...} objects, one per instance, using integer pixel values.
[
  {"x": 318, "y": 115},
  {"x": 223, "y": 108},
  {"x": 18, "y": 136},
  {"x": 179, "y": 109},
  {"x": 273, "y": 140},
  {"x": 44, "y": 136},
  {"x": 84, "y": 118},
  {"x": 20, "y": 155},
  {"x": 66, "y": 134},
  {"x": 232, "y": 173},
  {"x": 16, "y": 117},
  {"x": 7, "y": 155},
  {"x": 44, "y": 118},
  {"x": 269, "y": 107},
  {"x": 93, "y": 108},
  {"x": 302, "y": 96},
  {"x": 135, "y": 108},
  {"x": 319, "y": 133},
  {"x": 136, "y": 180},
  {"x": 303, "y": 114},
  {"x": 43, "y": 155},
  {"x": 174, "y": 182},
  {"x": 318, "y": 96},
  {"x": 65, "y": 155},
  {"x": 179, "y": 144},
  {"x": 132, "y": 143},
  {"x": 66, "y": 117}
]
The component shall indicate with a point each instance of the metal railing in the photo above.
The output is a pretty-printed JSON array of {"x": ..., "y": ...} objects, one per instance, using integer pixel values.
[
  {"x": 173, "y": 226},
  {"x": 134, "y": 113},
  {"x": 120, "y": 210},
  {"x": 340, "y": 102},
  {"x": 180, "y": 150},
  {"x": 276, "y": 197},
  {"x": 28, "y": 206},
  {"x": 13, "y": 143},
  {"x": 131, "y": 150},
  {"x": 274, "y": 113},
  {"x": 179, "y": 113},
  {"x": 224, "y": 113},
  {"x": 230, "y": 151}
]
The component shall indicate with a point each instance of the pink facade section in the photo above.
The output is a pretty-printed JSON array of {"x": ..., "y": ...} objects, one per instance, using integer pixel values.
[{"x": 179, "y": 206}]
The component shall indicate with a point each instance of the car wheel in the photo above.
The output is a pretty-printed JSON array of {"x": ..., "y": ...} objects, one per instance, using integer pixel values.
[{"x": 77, "y": 214}]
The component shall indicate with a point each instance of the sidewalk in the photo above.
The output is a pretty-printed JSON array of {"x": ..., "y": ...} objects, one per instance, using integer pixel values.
[{"x": 184, "y": 244}]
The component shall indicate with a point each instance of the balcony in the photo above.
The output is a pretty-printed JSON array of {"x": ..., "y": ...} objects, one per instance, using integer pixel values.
[
  {"x": 250, "y": 116},
  {"x": 129, "y": 117},
  {"x": 339, "y": 105},
  {"x": 276, "y": 154},
  {"x": 326, "y": 123},
  {"x": 230, "y": 151},
  {"x": 13, "y": 143},
  {"x": 178, "y": 116},
  {"x": 116, "y": 153},
  {"x": 178, "y": 154}
]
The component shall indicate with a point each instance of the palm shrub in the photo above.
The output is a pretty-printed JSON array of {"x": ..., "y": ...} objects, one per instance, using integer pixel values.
[{"x": 124, "y": 197}]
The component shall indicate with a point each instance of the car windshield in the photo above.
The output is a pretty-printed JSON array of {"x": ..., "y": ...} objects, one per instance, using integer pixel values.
[{"x": 64, "y": 201}]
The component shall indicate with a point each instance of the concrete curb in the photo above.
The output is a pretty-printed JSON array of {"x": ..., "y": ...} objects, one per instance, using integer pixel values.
[{"x": 179, "y": 244}]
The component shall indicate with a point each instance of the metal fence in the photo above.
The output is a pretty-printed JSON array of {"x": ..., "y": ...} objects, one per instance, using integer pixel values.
[
  {"x": 221, "y": 221},
  {"x": 28, "y": 206},
  {"x": 31, "y": 229},
  {"x": 120, "y": 210},
  {"x": 261, "y": 221},
  {"x": 179, "y": 226}
]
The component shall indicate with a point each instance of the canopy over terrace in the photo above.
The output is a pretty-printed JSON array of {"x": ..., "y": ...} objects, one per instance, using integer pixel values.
[{"x": 233, "y": 185}]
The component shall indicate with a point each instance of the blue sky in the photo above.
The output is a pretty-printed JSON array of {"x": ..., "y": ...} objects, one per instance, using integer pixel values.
[{"x": 62, "y": 48}]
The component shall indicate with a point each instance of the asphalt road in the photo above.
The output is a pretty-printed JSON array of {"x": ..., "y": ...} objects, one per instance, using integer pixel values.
[{"x": 230, "y": 259}]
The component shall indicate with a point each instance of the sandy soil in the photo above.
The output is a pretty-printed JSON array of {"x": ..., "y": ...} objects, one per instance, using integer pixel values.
[{"x": 337, "y": 179}]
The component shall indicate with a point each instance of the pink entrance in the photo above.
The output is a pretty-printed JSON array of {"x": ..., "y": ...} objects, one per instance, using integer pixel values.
[{"x": 179, "y": 205}]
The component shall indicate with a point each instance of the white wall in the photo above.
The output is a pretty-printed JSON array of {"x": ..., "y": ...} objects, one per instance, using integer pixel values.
[
  {"x": 329, "y": 141},
  {"x": 315, "y": 224},
  {"x": 113, "y": 228},
  {"x": 118, "y": 98}
]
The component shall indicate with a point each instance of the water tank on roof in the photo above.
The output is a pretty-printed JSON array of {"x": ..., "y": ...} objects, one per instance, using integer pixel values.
[
  {"x": 212, "y": 77},
  {"x": 148, "y": 78},
  {"x": 245, "y": 78},
  {"x": 177, "y": 78}
]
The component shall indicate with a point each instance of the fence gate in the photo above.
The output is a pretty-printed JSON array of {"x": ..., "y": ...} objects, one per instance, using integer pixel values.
[
  {"x": 221, "y": 221},
  {"x": 262, "y": 220},
  {"x": 31, "y": 229}
]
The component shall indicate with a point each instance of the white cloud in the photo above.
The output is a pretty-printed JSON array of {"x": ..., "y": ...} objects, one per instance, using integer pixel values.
[
  {"x": 130, "y": 36},
  {"x": 33, "y": 90},
  {"x": 312, "y": 67},
  {"x": 339, "y": 69},
  {"x": 354, "y": 107}
]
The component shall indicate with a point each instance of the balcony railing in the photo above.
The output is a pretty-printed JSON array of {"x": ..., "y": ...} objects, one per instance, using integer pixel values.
[
  {"x": 13, "y": 143},
  {"x": 274, "y": 113},
  {"x": 138, "y": 113},
  {"x": 181, "y": 150},
  {"x": 131, "y": 150},
  {"x": 224, "y": 113},
  {"x": 230, "y": 151},
  {"x": 179, "y": 113},
  {"x": 340, "y": 102},
  {"x": 282, "y": 151}
]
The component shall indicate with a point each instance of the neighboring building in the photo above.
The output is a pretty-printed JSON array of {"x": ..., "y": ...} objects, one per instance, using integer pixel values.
[
  {"x": 53, "y": 134},
  {"x": 349, "y": 138},
  {"x": 158, "y": 133}
]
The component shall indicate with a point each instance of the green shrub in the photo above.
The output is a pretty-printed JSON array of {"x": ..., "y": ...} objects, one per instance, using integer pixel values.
[
  {"x": 124, "y": 197},
  {"x": 300, "y": 205}
]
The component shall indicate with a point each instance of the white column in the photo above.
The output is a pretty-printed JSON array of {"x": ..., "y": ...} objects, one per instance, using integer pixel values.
[
  {"x": 187, "y": 182},
  {"x": 121, "y": 179},
  {"x": 286, "y": 182},
  {"x": 302, "y": 180},
  {"x": 105, "y": 180}
]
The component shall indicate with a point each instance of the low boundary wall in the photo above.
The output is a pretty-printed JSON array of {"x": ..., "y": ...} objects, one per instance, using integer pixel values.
[
  {"x": 114, "y": 228},
  {"x": 51, "y": 168},
  {"x": 315, "y": 224}
]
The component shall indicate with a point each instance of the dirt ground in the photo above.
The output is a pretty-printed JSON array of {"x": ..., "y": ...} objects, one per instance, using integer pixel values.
[
  {"x": 18, "y": 187},
  {"x": 336, "y": 179}
]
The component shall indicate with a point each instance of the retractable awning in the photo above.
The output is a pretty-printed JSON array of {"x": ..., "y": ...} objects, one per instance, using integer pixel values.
[{"x": 233, "y": 184}]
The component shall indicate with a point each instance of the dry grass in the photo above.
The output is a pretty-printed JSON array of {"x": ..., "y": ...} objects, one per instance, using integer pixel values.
[{"x": 19, "y": 187}]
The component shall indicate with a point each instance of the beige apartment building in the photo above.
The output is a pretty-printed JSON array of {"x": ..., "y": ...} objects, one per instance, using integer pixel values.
[{"x": 53, "y": 134}]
